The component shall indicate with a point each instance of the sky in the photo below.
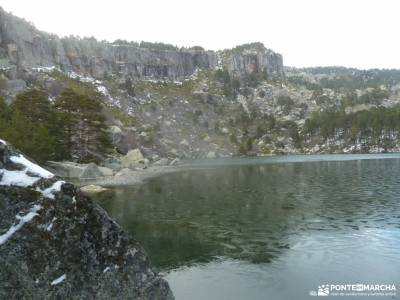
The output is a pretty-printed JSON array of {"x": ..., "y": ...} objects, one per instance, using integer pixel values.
[{"x": 352, "y": 33}]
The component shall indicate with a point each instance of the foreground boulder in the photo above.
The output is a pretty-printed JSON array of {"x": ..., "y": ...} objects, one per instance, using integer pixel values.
[{"x": 55, "y": 243}]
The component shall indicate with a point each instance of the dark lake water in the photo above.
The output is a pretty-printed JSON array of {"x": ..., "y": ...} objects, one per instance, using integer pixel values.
[{"x": 269, "y": 228}]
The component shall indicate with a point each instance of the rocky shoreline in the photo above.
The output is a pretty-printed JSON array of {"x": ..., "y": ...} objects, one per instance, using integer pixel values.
[
  {"x": 130, "y": 177},
  {"x": 129, "y": 169},
  {"x": 56, "y": 243}
]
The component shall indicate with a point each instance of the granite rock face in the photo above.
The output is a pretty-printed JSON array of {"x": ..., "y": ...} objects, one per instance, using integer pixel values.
[
  {"x": 55, "y": 243},
  {"x": 251, "y": 59},
  {"x": 23, "y": 47}
]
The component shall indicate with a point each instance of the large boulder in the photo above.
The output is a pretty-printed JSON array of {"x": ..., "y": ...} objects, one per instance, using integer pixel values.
[
  {"x": 106, "y": 171},
  {"x": 91, "y": 171},
  {"x": 112, "y": 164},
  {"x": 132, "y": 158},
  {"x": 56, "y": 243},
  {"x": 66, "y": 169},
  {"x": 211, "y": 154},
  {"x": 83, "y": 171}
]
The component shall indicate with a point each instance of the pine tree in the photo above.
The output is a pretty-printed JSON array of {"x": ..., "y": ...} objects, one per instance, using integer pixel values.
[
  {"x": 32, "y": 127},
  {"x": 34, "y": 104},
  {"x": 32, "y": 138},
  {"x": 83, "y": 124}
]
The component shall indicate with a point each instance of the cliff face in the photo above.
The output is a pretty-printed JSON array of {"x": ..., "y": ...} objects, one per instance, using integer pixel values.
[
  {"x": 251, "y": 59},
  {"x": 22, "y": 47}
]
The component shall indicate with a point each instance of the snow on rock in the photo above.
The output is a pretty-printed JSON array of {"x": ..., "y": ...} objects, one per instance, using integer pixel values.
[
  {"x": 50, "y": 226},
  {"x": 45, "y": 69},
  {"x": 21, "y": 177},
  {"x": 62, "y": 240},
  {"x": 58, "y": 280},
  {"x": 49, "y": 192},
  {"x": 104, "y": 91},
  {"x": 29, "y": 176},
  {"x": 31, "y": 167},
  {"x": 82, "y": 78},
  {"x": 22, "y": 220},
  {"x": 17, "y": 178},
  {"x": 98, "y": 85}
]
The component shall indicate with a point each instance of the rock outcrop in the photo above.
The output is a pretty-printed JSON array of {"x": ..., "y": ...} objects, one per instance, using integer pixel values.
[
  {"x": 23, "y": 47},
  {"x": 132, "y": 159},
  {"x": 55, "y": 243},
  {"x": 251, "y": 59}
]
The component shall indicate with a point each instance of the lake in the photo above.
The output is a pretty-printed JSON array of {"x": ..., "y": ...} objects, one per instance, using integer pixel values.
[{"x": 269, "y": 228}]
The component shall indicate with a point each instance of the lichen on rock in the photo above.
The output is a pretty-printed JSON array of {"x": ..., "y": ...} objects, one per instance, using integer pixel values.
[{"x": 56, "y": 243}]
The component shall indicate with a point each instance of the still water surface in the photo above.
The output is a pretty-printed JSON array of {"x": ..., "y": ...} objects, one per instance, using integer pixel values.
[{"x": 268, "y": 228}]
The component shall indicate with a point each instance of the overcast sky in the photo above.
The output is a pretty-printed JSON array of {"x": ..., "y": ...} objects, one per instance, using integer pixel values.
[{"x": 352, "y": 33}]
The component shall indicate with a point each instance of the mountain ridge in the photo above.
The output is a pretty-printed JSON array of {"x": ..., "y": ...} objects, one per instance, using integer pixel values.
[
  {"x": 191, "y": 103},
  {"x": 23, "y": 47}
]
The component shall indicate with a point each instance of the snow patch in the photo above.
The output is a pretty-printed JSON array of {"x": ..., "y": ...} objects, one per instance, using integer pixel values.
[
  {"x": 21, "y": 178},
  {"x": 104, "y": 91},
  {"x": 98, "y": 85},
  {"x": 82, "y": 78},
  {"x": 22, "y": 220},
  {"x": 17, "y": 178},
  {"x": 50, "y": 227},
  {"x": 58, "y": 280},
  {"x": 106, "y": 270},
  {"x": 49, "y": 192},
  {"x": 31, "y": 167},
  {"x": 45, "y": 69}
]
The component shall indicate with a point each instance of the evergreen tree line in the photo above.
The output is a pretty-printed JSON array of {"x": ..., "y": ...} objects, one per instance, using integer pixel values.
[
  {"x": 70, "y": 128},
  {"x": 373, "y": 124},
  {"x": 350, "y": 79}
]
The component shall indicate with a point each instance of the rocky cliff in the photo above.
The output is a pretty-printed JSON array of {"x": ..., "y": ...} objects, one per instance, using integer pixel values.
[
  {"x": 55, "y": 243},
  {"x": 23, "y": 47},
  {"x": 254, "y": 58},
  {"x": 191, "y": 103}
]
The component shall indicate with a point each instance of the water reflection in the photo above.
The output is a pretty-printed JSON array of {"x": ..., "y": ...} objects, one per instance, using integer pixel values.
[{"x": 261, "y": 213}]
